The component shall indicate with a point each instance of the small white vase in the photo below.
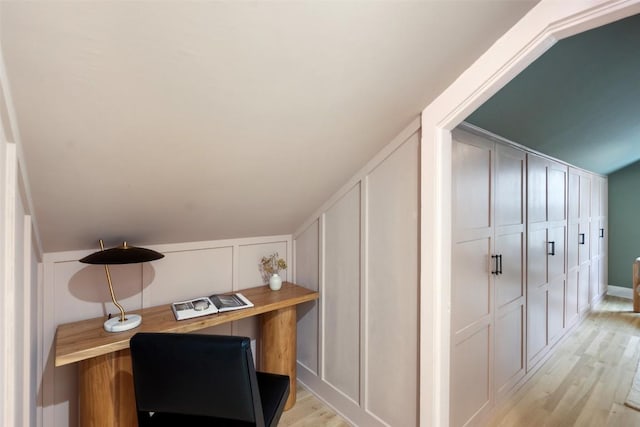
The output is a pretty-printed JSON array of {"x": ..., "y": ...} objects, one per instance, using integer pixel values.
[{"x": 275, "y": 282}]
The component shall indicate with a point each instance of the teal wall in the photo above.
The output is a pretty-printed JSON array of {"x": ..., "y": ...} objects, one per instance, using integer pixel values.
[{"x": 624, "y": 224}]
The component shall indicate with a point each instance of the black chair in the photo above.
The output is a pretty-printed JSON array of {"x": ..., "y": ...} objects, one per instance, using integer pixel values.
[{"x": 196, "y": 380}]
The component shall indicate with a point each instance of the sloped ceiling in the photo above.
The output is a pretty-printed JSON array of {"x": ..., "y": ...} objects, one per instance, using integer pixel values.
[
  {"x": 579, "y": 102},
  {"x": 165, "y": 122}
]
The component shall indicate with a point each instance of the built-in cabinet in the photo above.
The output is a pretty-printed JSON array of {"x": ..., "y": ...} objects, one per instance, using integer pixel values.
[
  {"x": 488, "y": 292},
  {"x": 528, "y": 262},
  {"x": 578, "y": 244},
  {"x": 599, "y": 233},
  {"x": 546, "y": 272}
]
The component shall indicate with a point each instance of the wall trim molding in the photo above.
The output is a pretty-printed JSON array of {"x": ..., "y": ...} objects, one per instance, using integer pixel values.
[
  {"x": 389, "y": 149},
  {"x": 548, "y": 22},
  {"x": 620, "y": 291},
  {"x": 9, "y": 295}
]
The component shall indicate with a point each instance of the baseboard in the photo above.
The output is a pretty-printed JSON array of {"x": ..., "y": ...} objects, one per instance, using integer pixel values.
[{"x": 620, "y": 291}]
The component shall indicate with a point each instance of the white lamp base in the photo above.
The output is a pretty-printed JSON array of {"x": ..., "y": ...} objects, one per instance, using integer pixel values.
[{"x": 115, "y": 325}]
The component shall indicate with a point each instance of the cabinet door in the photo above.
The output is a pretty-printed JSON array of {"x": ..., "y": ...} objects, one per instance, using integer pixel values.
[
  {"x": 594, "y": 280},
  {"x": 555, "y": 309},
  {"x": 536, "y": 323},
  {"x": 509, "y": 337},
  {"x": 573, "y": 212},
  {"x": 556, "y": 191},
  {"x": 536, "y": 189},
  {"x": 583, "y": 287},
  {"x": 602, "y": 236},
  {"x": 472, "y": 281},
  {"x": 602, "y": 274},
  {"x": 555, "y": 252},
  {"x": 584, "y": 242},
  {"x": 572, "y": 308},
  {"x": 585, "y": 197}
]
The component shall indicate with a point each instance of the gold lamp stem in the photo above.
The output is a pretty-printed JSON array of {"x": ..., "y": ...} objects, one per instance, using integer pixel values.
[{"x": 113, "y": 296}]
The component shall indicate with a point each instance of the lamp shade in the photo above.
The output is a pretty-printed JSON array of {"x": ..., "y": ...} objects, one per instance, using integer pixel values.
[{"x": 123, "y": 254}]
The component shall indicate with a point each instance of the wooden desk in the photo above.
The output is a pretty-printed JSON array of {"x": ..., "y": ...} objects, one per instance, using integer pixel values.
[{"x": 105, "y": 381}]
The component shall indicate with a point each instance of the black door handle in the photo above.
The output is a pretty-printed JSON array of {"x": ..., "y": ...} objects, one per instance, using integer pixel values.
[
  {"x": 581, "y": 239},
  {"x": 500, "y": 263},
  {"x": 553, "y": 248},
  {"x": 495, "y": 271}
]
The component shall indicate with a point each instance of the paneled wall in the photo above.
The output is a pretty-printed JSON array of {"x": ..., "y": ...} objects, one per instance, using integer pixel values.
[
  {"x": 18, "y": 290},
  {"x": 74, "y": 291},
  {"x": 358, "y": 345}
]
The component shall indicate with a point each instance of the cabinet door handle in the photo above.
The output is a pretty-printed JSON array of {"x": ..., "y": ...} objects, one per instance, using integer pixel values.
[
  {"x": 495, "y": 271},
  {"x": 581, "y": 239},
  {"x": 500, "y": 264},
  {"x": 602, "y": 232},
  {"x": 553, "y": 248}
]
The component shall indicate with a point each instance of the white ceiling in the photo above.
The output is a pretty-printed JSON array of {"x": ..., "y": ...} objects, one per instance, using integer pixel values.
[{"x": 164, "y": 122}]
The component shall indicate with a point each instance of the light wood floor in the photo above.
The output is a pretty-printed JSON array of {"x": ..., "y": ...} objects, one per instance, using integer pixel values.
[
  {"x": 586, "y": 381},
  {"x": 309, "y": 411}
]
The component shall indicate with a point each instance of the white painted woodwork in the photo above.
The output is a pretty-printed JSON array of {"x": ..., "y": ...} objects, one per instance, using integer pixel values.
[
  {"x": 556, "y": 243},
  {"x": 20, "y": 400},
  {"x": 391, "y": 292},
  {"x": 555, "y": 310},
  {"x": 572, "y": 299},
  {"x": 579, "y": 240},
  {"x": 509, "y": 366},
  {"x": 307, "y": 270},
  {"x": 20, "y": 326},
  {"x": 341, "y": 290},
  {"x": 599, "y": 238},
  {"x": 547, "y": 182},
  {"x": 487, "y": 305},
  {"x": 573, "y": 215},
  {"x": 362, "y": 247},
  {"x": 491, "y": 315},
  {"x": 526, "y": 41},
  {"x": 509, "y": 302},
  {"x": 471, "y": 377},
  {"x": 5, "y": 258},
  {"x": 583, "y": 288}
]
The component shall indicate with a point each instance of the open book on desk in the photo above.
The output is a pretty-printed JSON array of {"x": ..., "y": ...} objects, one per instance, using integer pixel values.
[{"x": 209, "y": 305}]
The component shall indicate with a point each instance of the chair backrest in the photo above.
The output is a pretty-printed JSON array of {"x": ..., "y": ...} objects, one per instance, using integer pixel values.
[{"x": 207, "y": 375}]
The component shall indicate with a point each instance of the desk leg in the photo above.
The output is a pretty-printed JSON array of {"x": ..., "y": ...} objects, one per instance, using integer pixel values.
[
  {"x": 105, "y": 389},
  {"x": 278, "y": 346}
]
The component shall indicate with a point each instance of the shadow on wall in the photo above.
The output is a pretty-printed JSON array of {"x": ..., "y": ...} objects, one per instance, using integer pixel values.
[{"x": 90, "y": 284}]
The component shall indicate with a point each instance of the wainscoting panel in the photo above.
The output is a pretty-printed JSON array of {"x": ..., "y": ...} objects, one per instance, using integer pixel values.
[
  {"x": 307, "y": 275},
  {"x": 391, "y": 334},
  {"x": 341, "y": 290},
  {"x": 361, "y": 246}
]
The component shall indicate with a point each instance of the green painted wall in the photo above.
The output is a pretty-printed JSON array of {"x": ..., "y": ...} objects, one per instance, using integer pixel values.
[{"x": 624, "y": 224}]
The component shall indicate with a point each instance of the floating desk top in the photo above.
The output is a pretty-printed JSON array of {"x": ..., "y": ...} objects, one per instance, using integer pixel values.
[{"x": 87, "y": 338}]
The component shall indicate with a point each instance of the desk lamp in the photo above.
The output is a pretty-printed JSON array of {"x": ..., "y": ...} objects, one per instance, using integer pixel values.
[{"x": 123, "y": 254}]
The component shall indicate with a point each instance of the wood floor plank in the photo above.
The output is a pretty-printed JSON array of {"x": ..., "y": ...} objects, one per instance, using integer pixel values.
[
  {"x": 586, "y": 380},
  {"x": 309, "y": 411}
]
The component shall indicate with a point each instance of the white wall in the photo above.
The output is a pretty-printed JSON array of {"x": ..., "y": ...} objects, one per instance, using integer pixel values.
[
  {"x": 358, "y": 345},
  {"x": 76, "y": 291}
]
